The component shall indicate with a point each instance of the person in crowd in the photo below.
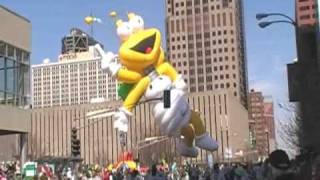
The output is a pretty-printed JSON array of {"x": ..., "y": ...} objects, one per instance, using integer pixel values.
[
  {"x": 276, "y": 165},
  {"x": 217, "y": 174}
]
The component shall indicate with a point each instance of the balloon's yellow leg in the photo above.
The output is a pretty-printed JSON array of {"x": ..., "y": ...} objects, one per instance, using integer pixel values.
[
  {"x": 188, "y": 133},
  {"x": 196, "y": 122},
  {"x": 136, "y": 93}
]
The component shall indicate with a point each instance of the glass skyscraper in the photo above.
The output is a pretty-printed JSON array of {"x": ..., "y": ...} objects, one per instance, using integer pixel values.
[{"x": 14, "y": 75}]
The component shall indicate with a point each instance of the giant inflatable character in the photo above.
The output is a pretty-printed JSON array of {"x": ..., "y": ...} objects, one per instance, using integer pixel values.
[{"x": 142, "y": 70}]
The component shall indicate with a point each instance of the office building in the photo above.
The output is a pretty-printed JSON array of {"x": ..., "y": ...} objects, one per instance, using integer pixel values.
[
  {"x": 15, "y": 49},
  {"x": 306, "y": 12},
  {"x": 76, "y": 78},
  {"x": 206, "y": 43},
  {"x": 262, "y": 122}
]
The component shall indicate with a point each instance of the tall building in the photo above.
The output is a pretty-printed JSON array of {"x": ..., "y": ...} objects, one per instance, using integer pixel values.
[
  {"x": 76, "y": 78},
  {"x": 262, "y": 124},
  {"x": 205, "y": 42},
  {"x": 268, "y": 114},
  {"x": 306, "y": 12},
  {"x": 15, "y": 49}
]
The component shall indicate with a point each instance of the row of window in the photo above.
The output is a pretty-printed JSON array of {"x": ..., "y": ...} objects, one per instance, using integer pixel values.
[
  {"x": 206, "y": 35},
  {"x": 217, "y": 20},
  {"x": 197, "y": 3},
  {"x": 13, "y": 52},
  {"x": 209, "y": 87}
]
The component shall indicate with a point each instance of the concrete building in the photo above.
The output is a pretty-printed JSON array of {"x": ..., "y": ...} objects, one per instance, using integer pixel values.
[
  {"x": 205, "y": 42},
  {"x": 76, "y": 78},
  {"x": 15, "y": 49},
  {"x": 224, "y": 117},
  {"x": 306, "y": 12},
  {"x": 262, "y": 124},
  {"x": 268, "y": 114}
]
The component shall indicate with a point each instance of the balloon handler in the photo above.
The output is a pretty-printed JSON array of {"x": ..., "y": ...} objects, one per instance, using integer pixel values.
[{"x": 142, "y": 70}]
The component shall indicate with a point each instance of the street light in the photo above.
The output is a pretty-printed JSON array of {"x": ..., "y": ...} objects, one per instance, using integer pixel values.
[
  {"x": 260, "y": 16},
  {"x": 264, "y": 24},
  {"x": 268, "y": 143}
]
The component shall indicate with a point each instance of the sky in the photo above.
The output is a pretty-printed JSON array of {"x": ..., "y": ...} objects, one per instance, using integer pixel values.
[{"x": 268, "y": 50}]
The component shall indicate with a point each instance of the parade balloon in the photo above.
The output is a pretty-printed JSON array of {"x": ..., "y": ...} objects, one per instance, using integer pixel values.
[{"x": 143, "y": 71}]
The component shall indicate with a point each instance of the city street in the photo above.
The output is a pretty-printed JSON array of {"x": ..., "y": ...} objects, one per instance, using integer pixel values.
[{"x": 162, "y": 89}]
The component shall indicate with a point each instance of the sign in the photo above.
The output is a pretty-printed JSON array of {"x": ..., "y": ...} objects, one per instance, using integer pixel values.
[
  {"x": 70, "y": 56},
  {"x": 30, "y": 169}
]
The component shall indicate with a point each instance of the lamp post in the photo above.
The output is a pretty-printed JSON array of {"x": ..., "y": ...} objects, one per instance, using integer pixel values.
[
  {"x": 268, "y": 143},
  {"x": 227, "y": 135},
  {"x": 221, "y": 130},
  {"x": 288, "y": 20}
]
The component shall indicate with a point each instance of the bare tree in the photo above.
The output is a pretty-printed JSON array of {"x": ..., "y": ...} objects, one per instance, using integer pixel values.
[{"x": 290, "y": 131}]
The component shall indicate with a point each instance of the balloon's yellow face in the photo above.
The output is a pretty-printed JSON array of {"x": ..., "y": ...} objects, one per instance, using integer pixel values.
[{"x": 140, "y": 47}]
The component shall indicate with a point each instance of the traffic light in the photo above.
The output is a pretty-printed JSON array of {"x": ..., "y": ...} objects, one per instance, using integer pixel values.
[{"x": 75, "y": 143}]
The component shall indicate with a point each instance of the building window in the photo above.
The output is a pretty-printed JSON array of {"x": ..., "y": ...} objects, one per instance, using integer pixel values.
[
  {"x": 305, "y": 17},
  {"x": 209, "y": 78},
  {"x": 231, "y": 19},
  {"x": 172, "y": 26},
  {"x": 303, "y": 8},
  {"x": 178, "y": 25},
  {"x": 205, "y": 9},
  {"x": 208, "y": 61},
  {"x": 197, "y": 11},
  {"x": 224, "y": 19},
  {"x": 200, "y": 79}
]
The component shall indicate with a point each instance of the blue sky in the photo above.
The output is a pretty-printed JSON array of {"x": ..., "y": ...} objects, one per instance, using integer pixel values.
[{"x": 268, "y": 50}]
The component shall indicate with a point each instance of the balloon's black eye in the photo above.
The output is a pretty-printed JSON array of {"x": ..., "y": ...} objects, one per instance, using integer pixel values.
[
  {"x": 150, "y": 86},
  {"x": 160, "y": 78}
]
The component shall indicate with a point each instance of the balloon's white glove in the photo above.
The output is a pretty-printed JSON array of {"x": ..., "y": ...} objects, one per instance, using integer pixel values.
[
  {"x": 179, "y": 83},
  {"x": 121, "y": 122},
  {"x": 108, "y": 60}
]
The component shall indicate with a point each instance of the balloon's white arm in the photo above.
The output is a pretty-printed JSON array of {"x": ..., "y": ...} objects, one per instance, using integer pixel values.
[{"x": 108, "y": 61}]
